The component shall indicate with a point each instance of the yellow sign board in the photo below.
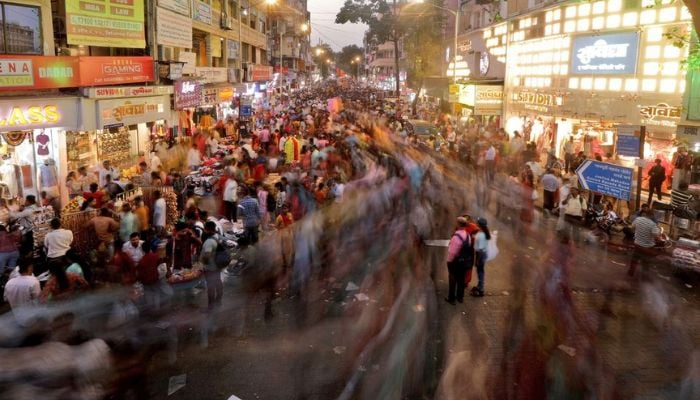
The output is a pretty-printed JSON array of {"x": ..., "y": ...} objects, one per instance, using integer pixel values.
[{"x": 114, "y": 23}]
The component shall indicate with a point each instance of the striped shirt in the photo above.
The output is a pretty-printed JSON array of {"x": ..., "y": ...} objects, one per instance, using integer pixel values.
[
  {"x": 645, "y": 232},
  {"x": 680, "y": 199}
]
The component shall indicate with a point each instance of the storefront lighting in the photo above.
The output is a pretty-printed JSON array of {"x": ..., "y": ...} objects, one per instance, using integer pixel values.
[
  {"x": 631, "y": 85},
  {"x": 569, "y": 26},
  {"x": 563, "y": 70},
  {"x": 600, "y": 83},
  {"x": 652, "y": 52},
  {"x": 584, "y": 10},
  {"x": 667, "y": 86},
  {"x": 647, "y": 17},
  {"x": 648, "y": 85},
  {"x": 573, "y": 83},
  {"x": 629, "y": 19},
  {"x": 598, "y": 7},
  {"x": 681, "y": 86},
  {"x": 548, "y": 16},
  {"x": 571, "y": 12},
  {"x": 613, "y": 22},
  {"x": 548, "y": 30},
  {"x": 583, "y": 25},
  {"x": 555, "y": 69},
  {"x": 670, "y": 68},
  {"x": 487, "y": 33},
  {"x": 667, "y": 14},
  {"x": 655, "y": 34},
  {"x": 556, "y": 28},
  {"x": 671, "y": 51},
  {"x": 598, "y": 22},
  {"x": 615, "y": 84},
  {"x": 614, "y": 5},
  {"x": 586, "y": 83},
  {"x": 651, "y": 68},
  {"x": 556, "y": 14}
]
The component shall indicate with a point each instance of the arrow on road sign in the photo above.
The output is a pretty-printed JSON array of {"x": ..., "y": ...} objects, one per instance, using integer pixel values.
[{"x": 607, "y": 179}]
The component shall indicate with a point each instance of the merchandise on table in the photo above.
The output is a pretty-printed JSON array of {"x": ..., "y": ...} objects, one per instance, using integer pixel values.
[
  {"x": 185, "y": 275},
  {"x": 686, "y": 258},
  {"x": 42, "y": 225}
]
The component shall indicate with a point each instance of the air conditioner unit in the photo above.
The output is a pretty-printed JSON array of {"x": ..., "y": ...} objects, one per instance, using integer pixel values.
[{"x": 226, "y": 22}]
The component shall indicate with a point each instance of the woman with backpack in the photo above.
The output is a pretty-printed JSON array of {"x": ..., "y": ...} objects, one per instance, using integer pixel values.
[{"x": 460, "y": 258}]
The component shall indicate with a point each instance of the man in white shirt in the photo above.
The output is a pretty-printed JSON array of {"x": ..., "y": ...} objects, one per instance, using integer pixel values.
[
  {"x": 490, "y": 158},
  {"x": 133, "y": 248},
  {"x": 159, "y": 210},
  {"x": 194, "y": 159},
  {"x": 231, "y": 198},
  {"x": 107, "y": 170},
  {"x": 58, "y": 241},
  {"x": 550, "y": 184},
  {"x": 22, "y": 293},
  {"x": 212, "y": 145},
  {"x": 155, "y": 161}
]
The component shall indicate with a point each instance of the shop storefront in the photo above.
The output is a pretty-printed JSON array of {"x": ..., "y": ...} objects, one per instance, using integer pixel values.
[
  {"x": 33, "y": 149},
  {"x": 187, "y": 96},
  {"x": 478, "y": 104}
]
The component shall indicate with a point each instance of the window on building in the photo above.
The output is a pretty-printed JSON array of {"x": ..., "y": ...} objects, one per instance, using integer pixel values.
[{"x": 21, "y": 29}]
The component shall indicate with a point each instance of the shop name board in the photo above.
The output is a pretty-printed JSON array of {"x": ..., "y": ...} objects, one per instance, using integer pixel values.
[
  {"x": 201, "y": 12},
  {"x": 126, "y": 91},
  {"x": 188, "y": 94},
  {"x": 661, "y": 114},
  {"x": 260, "y": 72},
  {"x": 129, "y": 112},
  {"x": 43, "y": 72},
  {"x": 537, "y": 99},
  {"x": 489, "y": 100},
  {"x": 21, "y": 117},
  {"x": 212, "y": 74},
  {"x": 607, "y": 54},
  {"x": 179, "y": 6}
]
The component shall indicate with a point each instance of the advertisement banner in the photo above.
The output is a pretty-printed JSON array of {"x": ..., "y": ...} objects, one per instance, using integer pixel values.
[
  {"x": 132, "y": 111},
  {"x": 190, "y": 60},
  {"x": 21, "y": 114},
  {"x": 179, "y": 6},
  {"x": 201, "y": 12},
  {"x": 38, "y": 72},
  {"x": 232, "y": 48},
  {"x": 605, "y": 54},
  {"x": 45, "y": 72},
  {"x": 99, "y": 71},
  {"x": 489, "y": 100},
  {"x": 116, "y": 24},
  {"x": 260, "y": 72},
  {"x": 173, "y": 29},
  {"x": 212, "y": 74},
  {"x": 188, "y": 94}
]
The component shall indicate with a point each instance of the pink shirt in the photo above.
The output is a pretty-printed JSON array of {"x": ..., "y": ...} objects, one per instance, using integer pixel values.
[
  {"x": 456, "y": 244},
  {"x": 264, "y": 135}
]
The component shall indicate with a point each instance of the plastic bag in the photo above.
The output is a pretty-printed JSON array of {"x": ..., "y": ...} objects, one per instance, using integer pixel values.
[{"x": 492, "y": 247}]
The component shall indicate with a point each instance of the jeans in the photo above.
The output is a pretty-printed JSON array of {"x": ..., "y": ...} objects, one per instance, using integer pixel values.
[
  {"x": 8, "y": 260},
  {"x": 215, "y": 287},
  {"x": 480, "y": 262},
  {"x": 490, "y": 170},
  {"x": 456, "y": 281}
]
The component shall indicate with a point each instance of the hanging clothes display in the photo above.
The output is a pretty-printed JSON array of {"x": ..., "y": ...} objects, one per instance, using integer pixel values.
[
  {"x": 9, "y": 178},
  {"x": 291, "y": 150},
  {"x": 42, "y": 148}
]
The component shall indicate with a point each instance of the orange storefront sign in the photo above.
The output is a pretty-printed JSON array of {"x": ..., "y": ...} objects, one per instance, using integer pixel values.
[
  {"x": 102, "y": 71},
  {"x": 45, "y": 72}
]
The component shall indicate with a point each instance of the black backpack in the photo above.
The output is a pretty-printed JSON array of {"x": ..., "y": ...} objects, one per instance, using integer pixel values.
[
  {"x": 222, "y": 258},
  {"x": 465, "y": 257}
]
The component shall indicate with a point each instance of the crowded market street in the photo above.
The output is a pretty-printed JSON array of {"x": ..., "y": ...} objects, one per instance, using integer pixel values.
[{"x": 349, "y": 199}]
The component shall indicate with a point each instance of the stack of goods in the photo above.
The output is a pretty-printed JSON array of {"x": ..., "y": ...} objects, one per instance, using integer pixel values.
[
  {"x": 73, "y": 206},
  {"x": 172, "y": 213},
  {"x": 686, "y": 257},
  {"x": 42, "y": 225},
  {"x": 84, "y": 239},
  {"x": 185, "y": 276},
  {"x": 115, "y": 146},
  {"x": 203, "y": 181}
]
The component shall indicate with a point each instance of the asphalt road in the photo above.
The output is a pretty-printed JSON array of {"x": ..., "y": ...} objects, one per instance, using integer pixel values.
[{"x": 642, "y": 335}]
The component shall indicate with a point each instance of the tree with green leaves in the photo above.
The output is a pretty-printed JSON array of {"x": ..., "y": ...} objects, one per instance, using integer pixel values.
[
  {"x": 348, "y": 59},
  {"x": 384, "y": 22}
]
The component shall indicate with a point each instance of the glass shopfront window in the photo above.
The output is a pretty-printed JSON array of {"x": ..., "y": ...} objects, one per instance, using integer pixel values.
[{"x": 21, "y": 29}]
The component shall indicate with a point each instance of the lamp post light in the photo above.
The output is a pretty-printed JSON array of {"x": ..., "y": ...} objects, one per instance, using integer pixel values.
[{"x": 357, "y": 61}]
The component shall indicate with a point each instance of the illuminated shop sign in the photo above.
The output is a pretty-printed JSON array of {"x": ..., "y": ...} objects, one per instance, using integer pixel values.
[
  {"x": 606, "y": 54},
  {"x": 661, "y": 114},
  {"x": 23, "y": 114}
]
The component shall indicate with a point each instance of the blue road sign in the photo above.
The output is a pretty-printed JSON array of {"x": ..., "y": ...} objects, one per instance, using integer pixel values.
[
  {"x": 608, "y": 179},
  {"x": 246, "y": 111}
]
